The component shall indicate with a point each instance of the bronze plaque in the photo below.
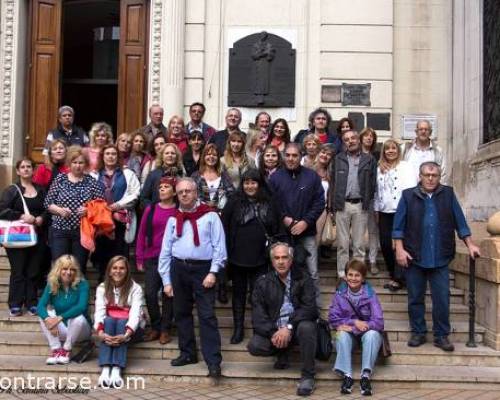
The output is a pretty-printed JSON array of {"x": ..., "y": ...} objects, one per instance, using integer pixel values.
[
  {"x": 262, "y": 72},
  {"x": 356, "y": 94}
]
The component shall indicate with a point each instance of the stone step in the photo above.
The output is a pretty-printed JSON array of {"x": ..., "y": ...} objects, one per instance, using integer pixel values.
[
  {"x": 398, "y": 330},
  {"x": 27, "y": 343},
  {"x": 160, "y": 373}
]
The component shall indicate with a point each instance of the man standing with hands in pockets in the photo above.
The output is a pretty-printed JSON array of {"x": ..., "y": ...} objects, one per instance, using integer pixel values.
[{"x": 193, "y": 251}]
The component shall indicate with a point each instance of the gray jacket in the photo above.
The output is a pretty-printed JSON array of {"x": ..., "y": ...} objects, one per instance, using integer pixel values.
[{"x": 367, "y": 176}]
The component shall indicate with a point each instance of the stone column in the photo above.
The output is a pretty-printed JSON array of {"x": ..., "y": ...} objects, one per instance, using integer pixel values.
[{"x": 172, "y": 56}]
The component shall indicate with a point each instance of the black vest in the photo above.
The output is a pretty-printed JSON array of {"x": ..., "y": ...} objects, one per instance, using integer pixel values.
[{"x": 443, "y": 198}]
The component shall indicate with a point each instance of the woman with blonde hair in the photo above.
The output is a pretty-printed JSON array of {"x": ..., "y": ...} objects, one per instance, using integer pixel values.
[
  {"x": 256, "y": 141},
  {"x": 124, "y": 144},
  {"x": 118, "y": 319},
  {"x": 235, "y": 161},
  {"x": 311, "y": 146},
  {"x": 323, "y": 165},
  {"x": 55, "y": 164},
  {"x": 168, "y": 163},
  {"x": 100, "y": 135},
  {"x": 63, "y": 309},
  {"x": 176, "y": 133},
  {"x": 393, "y": 176}
]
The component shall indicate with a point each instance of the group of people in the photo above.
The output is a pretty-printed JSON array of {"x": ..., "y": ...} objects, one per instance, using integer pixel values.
[{"x": 196, "y": 208}]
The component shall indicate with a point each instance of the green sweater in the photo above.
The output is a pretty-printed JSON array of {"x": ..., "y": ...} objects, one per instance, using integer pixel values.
[{"x": 67, "y": 304}]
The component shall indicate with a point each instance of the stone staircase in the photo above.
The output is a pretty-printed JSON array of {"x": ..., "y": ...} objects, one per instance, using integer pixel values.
[{"x": 23, "y": 349}]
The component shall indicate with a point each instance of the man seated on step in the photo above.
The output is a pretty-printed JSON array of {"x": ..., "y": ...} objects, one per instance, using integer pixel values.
[
  {"x": 424, "y": 235},
  {"x": 284, "y": 313}
]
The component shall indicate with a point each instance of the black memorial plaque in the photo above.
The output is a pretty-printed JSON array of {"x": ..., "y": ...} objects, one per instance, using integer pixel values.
[
  {"x": 359, "y": 120},
  {"x": 262, "y": 72},
  {"x": 356, "y": 94},
  {"x": 379, "y": 121}
]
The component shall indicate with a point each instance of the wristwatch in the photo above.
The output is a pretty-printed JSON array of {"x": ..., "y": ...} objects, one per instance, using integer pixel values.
[{"x": 289, "y": 327}]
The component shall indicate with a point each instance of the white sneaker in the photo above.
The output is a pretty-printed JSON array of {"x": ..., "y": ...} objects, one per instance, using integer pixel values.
[
  {"x": 52, "y": 360},
  {"x": 63, "y": 357},
  {"x": 115, "y": 378},
  {"x": 104, "y": 378}
]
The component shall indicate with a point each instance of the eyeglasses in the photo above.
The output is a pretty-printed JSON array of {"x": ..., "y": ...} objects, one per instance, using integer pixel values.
[{"x": 185, "y": 191}]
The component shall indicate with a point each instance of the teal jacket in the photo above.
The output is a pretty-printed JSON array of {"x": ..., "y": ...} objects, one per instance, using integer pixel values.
[{"x": 68, "y": 304}]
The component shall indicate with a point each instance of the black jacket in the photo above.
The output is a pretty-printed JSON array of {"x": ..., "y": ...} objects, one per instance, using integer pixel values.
[
  {"x": 245, "y": 234},
  {"x": 268, "y": 295},
  {"x": 11, "y": 205},
  {"x": 367, "y": 177}
]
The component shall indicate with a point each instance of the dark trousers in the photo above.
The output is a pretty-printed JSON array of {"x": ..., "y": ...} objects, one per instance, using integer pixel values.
[
  {"x": 438, "y": 278},
  {"x": 25, "y": 269},
  {"x": 106, "y": 249},
  {"x": 160, "y": 321},
  {"x": 116, "y": 355},
  {"x": 68, "y": 242},
  {"x": 385, "y": 221},
  {"x": 187, "y": 284},
  {"x": 304, "y": 335},
  {"x": 243, "y": 282}
]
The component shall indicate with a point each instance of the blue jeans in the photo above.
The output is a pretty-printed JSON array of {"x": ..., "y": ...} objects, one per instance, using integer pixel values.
[
  {"x": 416, "y": 281},
  {"x": 68, "y": 242},
  {"x": 116, "y": 356},
  {"x": 370, "y": 346}
]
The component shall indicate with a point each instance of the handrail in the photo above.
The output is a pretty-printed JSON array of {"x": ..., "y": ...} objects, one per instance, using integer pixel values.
[{"x": 472, "y": 303}]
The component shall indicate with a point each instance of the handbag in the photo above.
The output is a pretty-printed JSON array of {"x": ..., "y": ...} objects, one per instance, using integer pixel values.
[
  {"x": 329, "y": 233},
  {"x": 385, "y": 348},
  {"x": 17, "y": 234},
  {"x": 324, "y": 347}
]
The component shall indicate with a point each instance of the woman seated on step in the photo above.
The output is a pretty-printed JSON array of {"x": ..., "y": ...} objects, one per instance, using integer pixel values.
[
  {"x": 118, "y": 319},
  {"x": 356, "y": 314},
  {"x": 63, "y": 309}
]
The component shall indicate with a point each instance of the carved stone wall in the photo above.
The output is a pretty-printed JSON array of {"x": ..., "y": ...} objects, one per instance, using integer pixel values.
[
  {"x": 155, "y": 52},
  {"x": 491, "y": 68}
]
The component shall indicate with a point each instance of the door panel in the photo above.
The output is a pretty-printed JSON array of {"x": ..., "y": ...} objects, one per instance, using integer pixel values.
[
  {"x": 132, "y": 68},
  {"x": 44, "y": 72}
]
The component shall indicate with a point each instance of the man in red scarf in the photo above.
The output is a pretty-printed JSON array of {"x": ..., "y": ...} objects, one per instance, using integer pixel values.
[{"x": 193, "y": 251}]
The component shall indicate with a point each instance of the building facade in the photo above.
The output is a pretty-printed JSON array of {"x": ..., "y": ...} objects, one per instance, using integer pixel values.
[{"x": 416, "y": 57}]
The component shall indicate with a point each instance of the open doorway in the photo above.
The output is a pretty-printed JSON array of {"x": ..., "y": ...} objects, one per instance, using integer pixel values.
[{"x": 90, "y": 59}]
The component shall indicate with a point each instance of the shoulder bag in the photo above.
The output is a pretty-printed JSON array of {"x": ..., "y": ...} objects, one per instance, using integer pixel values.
[
  {"x": 17, "y": 234},
  {"x": 324, "y": 346}
]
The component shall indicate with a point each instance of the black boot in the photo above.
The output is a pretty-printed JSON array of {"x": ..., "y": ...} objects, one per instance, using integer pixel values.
[
  {"x": 222, "y": 289},
  {"x": 238, "y": 318}
]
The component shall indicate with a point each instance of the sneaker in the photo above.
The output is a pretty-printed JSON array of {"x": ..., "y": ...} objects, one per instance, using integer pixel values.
[
  {"x": 443, "y": 343},
  {"x": 366, "y": 386},
  {"x": 52, "y": 360},
  {"x": 32, "y": 311},
  {"x": 347, "y": 383},
  {"x": 305, "y": 387},
  {"x": 416, "y": 340},
  {"x": 15, "y": 312},
  {"x": 63, "y": 357}
]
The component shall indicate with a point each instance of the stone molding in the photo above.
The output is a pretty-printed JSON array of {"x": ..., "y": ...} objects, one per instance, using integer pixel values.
[
  {"x": 7, "y": 62},
  {"x": 155, "y": 52}
]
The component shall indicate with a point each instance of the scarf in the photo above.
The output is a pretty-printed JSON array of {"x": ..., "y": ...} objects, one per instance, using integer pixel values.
[{"x": 192, "y": 217}]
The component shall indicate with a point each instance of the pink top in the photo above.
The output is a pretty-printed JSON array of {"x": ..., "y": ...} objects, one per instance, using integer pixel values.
[
  {"x": 160, "y": 218},
  {"x": 93, "y": 155}
]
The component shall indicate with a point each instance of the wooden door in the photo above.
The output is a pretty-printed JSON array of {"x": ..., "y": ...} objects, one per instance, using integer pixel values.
[
  {"x": 44, "y": 73},
  {"x": 132, "y": 65}
]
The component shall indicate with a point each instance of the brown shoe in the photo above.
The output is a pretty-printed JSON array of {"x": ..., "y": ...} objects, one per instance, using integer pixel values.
[
  {"x": 151, "y": 336},
  {"x": 165, "y": 338}
]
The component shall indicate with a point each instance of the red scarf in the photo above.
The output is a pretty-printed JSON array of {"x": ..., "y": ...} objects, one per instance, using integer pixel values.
[{"x": 192, "y": 217}]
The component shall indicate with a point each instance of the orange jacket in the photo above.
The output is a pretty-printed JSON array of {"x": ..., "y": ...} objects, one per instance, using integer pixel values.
[{"x": 97, "y": 221}]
